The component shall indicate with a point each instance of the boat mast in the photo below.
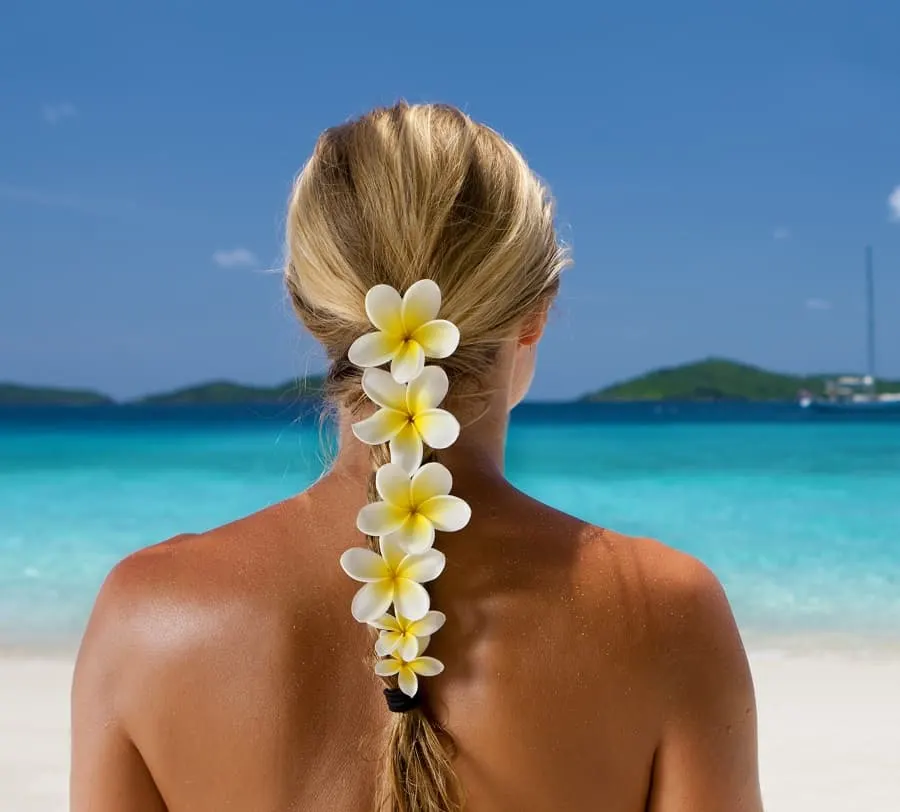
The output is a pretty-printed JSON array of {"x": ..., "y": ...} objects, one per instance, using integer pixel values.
[{"x": 870, "y": 309}]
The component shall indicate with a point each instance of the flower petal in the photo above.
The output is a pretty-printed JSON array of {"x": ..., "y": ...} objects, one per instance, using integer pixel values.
[
  {"x": 392, "y": 553},
  {"x": 384, "y": 307},
  {"x": 437, "y": 427},
  {"x": 421, "y": 567},
  {"x": 410, "y": 599},
  {"x": 364, "y": 565},
  {"x": 428, "y": 625},
  {"x": 381, "y": 388},
  {"x": 406, "y": 448},
  {"x": 387, "y": 622},
  {"x": 421, "y": 304},
  {"x": 380, "y": 427},
  {"x": 408, "y": 362},
  {"x": 407, "y": 681},
  {"x": 388, "y": 642},
  {"x": 393, "y": 485},
  {"x": 372, "y": 601},
  {"x": 415, "y": 535},
  {"x": 423, "y": 644},
  {"x": 432, "y": 479},
  {"x": 426, "y": 666},
  {"x": 373, "y": 349},
  {"x": 380, "y": 518},
  {"x": 387, "y": 668},
  {"x": 439, "y": 338},
  {"x": 447, "y": 513},
  {"x": 427, "y": 390},
  {"x": 407, "y": 646}
]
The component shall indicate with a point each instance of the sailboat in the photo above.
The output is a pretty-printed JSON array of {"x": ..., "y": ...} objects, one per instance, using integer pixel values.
[{"x": 858, "y": 393}]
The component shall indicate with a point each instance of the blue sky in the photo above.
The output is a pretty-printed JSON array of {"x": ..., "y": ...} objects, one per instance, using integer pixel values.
[{"x": 719, "y": 168}]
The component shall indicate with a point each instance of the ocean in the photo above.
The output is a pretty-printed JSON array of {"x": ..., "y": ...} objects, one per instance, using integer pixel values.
[{"x": 798, "y": 516}]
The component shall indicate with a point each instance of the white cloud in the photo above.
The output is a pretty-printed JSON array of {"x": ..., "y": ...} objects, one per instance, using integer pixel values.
[
  {"x": 894, "y": 204},
  {"x": 818, "y": 304},
  {"x": 55, "y": 200},
  {"x": 54, "y": 113},
  {"x": 234, "y": 258},
  {"x": 781, "y": 233}
]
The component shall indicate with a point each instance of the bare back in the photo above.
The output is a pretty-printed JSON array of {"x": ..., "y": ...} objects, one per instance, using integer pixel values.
[{"x": 585, "y": 670}]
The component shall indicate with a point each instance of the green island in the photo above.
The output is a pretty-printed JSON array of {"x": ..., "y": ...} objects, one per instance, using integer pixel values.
[
  {"x": 228, "y": 392},
  {"x": 716, "y": 379},
  {"x": 214, "y": 392},
  {"x": 12, "y": 394},
  {"x": 708, "y": 380}
]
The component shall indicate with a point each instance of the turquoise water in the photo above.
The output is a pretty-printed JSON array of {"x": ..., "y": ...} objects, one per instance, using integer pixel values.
[{"x": 800, "y": 519}]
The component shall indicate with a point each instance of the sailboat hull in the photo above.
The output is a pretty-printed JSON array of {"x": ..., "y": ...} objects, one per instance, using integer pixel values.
[{"x": 858, "y": 407}]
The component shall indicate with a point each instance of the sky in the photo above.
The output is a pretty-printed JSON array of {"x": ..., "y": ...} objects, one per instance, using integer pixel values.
[{"x": 718, "y": 167}]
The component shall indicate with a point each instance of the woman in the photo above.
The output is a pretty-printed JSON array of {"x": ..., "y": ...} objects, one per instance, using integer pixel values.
[{"x": 568, "y": 667}]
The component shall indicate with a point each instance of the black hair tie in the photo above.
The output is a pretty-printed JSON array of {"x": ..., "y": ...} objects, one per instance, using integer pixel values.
[{"x": 399, "y": 702}]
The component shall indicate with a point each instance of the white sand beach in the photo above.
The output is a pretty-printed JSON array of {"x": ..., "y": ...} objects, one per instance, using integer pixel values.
[
  {"x": 34, "y": 733},
  {"x": 829, "y": 730}
]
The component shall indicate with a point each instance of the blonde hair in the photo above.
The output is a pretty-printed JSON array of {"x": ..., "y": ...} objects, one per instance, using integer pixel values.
[{"x": 401, "y": 194}]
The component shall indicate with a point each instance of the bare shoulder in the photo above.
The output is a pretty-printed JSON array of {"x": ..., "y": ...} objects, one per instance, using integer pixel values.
[
  {"x": 692, "y": 618},
  {"x": 131, "y": 590},
  {"x": 177, "y": 631},
  {"x": 142, "y": 591},
  {"x": 685, "y": 653},
  {"x": 146, "y": 608},
  {"x": 673, "y": 589},
  {"x": 688, "y": 638},
  {"x": 186, "y": 600},
  {"x": 670, "y": 606}
]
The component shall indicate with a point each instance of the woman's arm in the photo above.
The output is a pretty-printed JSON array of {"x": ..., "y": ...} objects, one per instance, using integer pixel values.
[
  {"x": 707, "y": 757},
  {"x": 108, "y": 773}
]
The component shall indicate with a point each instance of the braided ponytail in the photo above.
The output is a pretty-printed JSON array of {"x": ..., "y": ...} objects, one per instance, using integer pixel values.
[
  {"x": 417, "y": 770},
  {"x": 408, "y": 499}
]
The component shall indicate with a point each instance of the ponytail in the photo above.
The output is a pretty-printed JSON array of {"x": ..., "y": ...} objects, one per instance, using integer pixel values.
[
  {"x": 408, "y": 500},
  {"x": 417, "y": 770},
  {"x": 418, "y": 774}
]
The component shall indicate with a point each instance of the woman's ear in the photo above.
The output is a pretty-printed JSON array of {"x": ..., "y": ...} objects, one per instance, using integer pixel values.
[{"x": 533, "y": 327}]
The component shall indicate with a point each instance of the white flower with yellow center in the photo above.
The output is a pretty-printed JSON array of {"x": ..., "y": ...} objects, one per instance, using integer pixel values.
[
  {"x": 408, "y": 330},
  {"x": 404, "y": 637},
  {"x": 408, "y": 671},
  {"x": 408, "y": 415},
  {"x": 392, "y": 577},
  {"x": 412, "y": 509}
]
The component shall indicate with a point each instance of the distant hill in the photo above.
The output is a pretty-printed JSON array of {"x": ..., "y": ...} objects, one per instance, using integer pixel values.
[
  {"x": 12, "y": 394},
  {"x": 228, "y": 392},
  {"x": 711, "y": 379}
]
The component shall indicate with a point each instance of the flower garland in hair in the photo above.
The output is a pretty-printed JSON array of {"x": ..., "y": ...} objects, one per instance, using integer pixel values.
[{"x": 415, "y": 499}]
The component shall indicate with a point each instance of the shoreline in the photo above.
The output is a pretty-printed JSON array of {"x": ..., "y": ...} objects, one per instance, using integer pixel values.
[{"x": 828, "y": 722}]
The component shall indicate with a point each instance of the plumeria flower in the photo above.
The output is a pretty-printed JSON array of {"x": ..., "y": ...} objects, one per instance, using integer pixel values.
[
  {"x": 392, "y": 577},
  {"x": 404, "y": 637},
  {"x": 408, "y": 415},
  {"x": 408, "y": 330},
  {"x": 412, "y": 509},
  {"x": 407, "y": 671}
]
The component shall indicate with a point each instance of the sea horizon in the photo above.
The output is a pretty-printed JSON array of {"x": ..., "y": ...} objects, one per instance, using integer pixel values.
[
  {"x": 794, "y": 514},
  {"x": 711, "y": 379}
]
